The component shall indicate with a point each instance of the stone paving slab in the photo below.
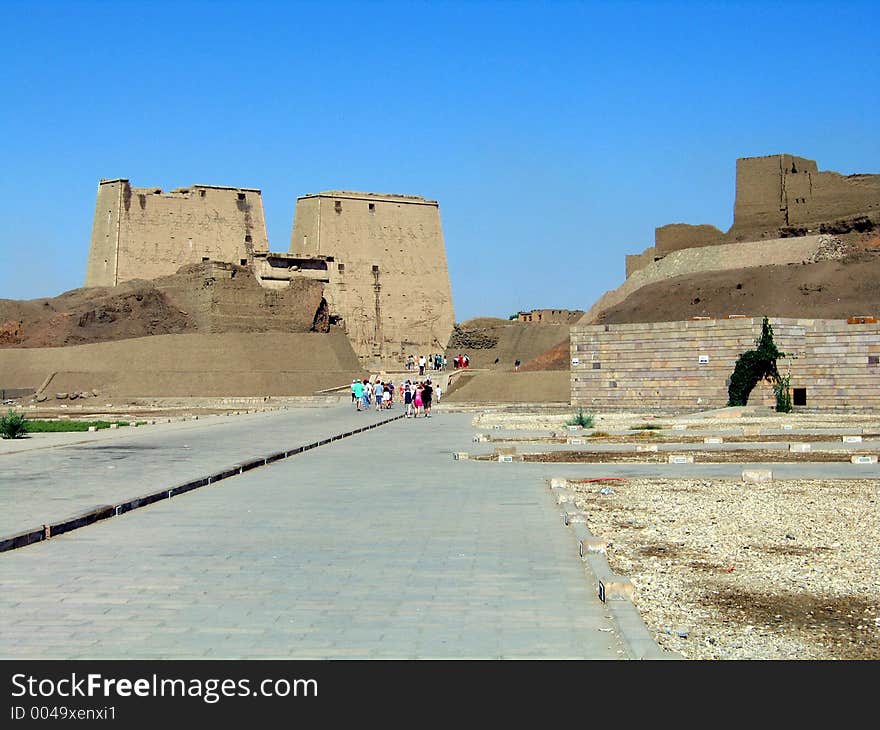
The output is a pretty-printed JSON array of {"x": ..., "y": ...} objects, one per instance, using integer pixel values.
[
  {"x": 40, "y": 485},
  {"x": 376, "y": 546}
]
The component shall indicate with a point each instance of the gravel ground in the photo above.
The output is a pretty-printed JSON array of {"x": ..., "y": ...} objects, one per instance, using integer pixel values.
[
  {"x": 743, "y": 456},
  {"x": 723, "y": 570},
  {"x": 718, "y": 420}
]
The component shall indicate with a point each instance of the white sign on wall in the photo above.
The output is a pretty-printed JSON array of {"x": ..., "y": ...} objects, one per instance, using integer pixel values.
[
  {"x": 704, "y": 359},
  {"x": 575, "y": 361}
]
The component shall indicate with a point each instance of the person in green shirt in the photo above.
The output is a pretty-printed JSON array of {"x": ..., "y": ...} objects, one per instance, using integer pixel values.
[{"x": 358, "y": 390}]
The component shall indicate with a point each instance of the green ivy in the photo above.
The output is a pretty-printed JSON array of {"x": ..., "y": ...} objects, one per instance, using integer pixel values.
[
  {"x": 759, "y": 364},
  {"x": 783, "y": 393}
]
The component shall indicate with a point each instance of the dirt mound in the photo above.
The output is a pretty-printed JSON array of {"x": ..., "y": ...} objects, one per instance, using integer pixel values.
[
  {"x": 556, "y": 358},
  {"x": 209, "y": 297},
  {"x": 136, "y": 309},
  {"x": 827, "y": 289},
  {"x": 506, "y": 387},
  {"x": 496, "y": 344},
  {"x": 226, "y": 364},
  {"x": 480, "y": 322}
]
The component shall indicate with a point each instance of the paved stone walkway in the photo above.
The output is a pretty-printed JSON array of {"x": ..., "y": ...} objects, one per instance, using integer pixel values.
[
  {"x": 56, "y": 475},
  {"x": 379, "y": 545}
]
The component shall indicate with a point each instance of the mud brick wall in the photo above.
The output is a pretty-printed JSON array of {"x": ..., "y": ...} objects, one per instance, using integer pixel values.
[{"x": 658, "y": 366}]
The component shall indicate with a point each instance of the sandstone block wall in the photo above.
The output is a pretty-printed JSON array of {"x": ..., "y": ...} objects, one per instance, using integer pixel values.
[
  {"x": 144, "y": 233},
  {"x": 638, "y": 366},
  {"x": 388, "y": 277}
]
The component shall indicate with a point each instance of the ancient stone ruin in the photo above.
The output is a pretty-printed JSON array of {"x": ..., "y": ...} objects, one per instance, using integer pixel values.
[
  {"x": 778, "y": 196},
  {"x": 380, "y": 258}
]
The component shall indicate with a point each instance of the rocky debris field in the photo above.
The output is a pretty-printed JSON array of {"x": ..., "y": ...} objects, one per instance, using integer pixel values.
[
  {"x": 723, "y": 422},
  {"x": 722, "y": 569},
  {"x": 725, "y": 570},
  {"x": 742, "y": 456}
]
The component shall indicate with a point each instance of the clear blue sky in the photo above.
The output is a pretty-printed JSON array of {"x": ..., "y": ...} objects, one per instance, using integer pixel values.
[{"x": 556, "y": 135}]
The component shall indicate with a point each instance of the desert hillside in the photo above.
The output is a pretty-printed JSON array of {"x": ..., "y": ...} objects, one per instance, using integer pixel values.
[
  {"x": 833, "y": 289},
  {"x": 210, "y": 297},
  {"x": 496, "y": 344}
]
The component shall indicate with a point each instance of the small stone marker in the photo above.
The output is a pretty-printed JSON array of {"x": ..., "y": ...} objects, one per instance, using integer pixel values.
[
  {"x": 646, "y": 447},
  {"x": 757, "y": 475},
  {"x": 713, "y": 440},
  {"x": 461, "y": 455},
  {"x": 114, "y": 425},
  {"x": 681, "y": 459},
  {"x": 679, "y": 427},
  {"x": 480, "y": 438},
  {"x": 787, "y": 426},
  {"x": 615, "y": 587},
  {"x": 852, "y": 439},
  {"x": 576, "y": 441},
  {"x": 564, "y": 496},
  {"x": 573, "y": 428},
  {"x": 558, "y": 483},
  {"x": 93, "y": 429},
  {"x": 592, "y": 545},
  {"x": 573, "y": 516},
  {"x": 505, "y": 458},
  {"x": 864, "y": 459},
  {"x": 800, "y": 448}
]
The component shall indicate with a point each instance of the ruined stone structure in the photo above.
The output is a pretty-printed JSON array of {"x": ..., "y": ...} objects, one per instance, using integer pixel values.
[
  {"x": 778, "y": 196},
  {"x": 686, "y": 365},
  {"x": 550, "y": 316},
  {"x": 143, "y": 233},
  {"x": 380, "y": 258},
  {"x": 386, "y": 265}
]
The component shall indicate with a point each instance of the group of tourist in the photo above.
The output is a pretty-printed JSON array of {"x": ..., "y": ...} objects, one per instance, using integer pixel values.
[
  {"x": 417, "y": 397},
  {"x": 462, "y": 361},
  {"x": 434, "y": 361}
]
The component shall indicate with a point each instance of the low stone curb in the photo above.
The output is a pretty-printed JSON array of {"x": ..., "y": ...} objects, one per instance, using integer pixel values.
[
  {"x": 106, "y": 511},
  {"x": 614, "y": 590}
]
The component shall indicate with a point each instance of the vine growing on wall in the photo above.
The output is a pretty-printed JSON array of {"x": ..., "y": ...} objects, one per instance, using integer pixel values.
[{"x": 756, "y": 365}]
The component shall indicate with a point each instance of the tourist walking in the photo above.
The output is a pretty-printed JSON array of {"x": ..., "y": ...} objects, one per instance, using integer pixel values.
[
  {"x": 427, "y": 397},
  {"x": 380, "y": 395},
  {"x": 357, "y": 390},
  {"x": 389, "y": 395},
  {"x": 407, "y": 399},
  {"x": 422, "y": 363},
  {"x": 417, "y": 400}
]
